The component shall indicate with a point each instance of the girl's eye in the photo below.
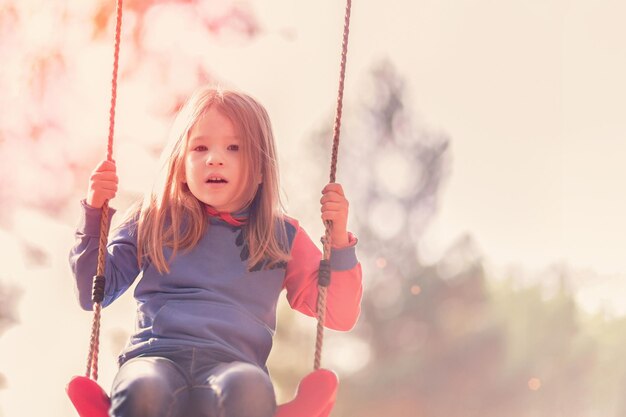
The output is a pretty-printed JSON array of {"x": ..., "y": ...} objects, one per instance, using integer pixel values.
[
  {"x": 200, "y": 148},
  {"x": 233, "y": 147}
]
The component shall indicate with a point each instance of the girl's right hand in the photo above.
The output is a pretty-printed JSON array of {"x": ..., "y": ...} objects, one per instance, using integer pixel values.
[{"x": 102, "y": 184}]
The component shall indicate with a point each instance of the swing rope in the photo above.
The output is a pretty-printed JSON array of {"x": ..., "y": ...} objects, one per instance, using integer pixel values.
[
  {"x": 99, "y": 280},
  {"x": 324, "y": 270}
]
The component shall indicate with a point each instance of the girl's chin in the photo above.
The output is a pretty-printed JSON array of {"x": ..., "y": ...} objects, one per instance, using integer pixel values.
[{"x": 228, "y": 208}]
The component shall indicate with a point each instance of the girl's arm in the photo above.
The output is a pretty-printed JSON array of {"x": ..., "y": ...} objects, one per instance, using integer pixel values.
[
  {"x": 343, "y": 303},
  {"x": 121, "y": 267}
]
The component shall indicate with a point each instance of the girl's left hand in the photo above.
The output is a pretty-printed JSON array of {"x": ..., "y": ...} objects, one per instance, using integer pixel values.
[{"x": 335, "y": 208}]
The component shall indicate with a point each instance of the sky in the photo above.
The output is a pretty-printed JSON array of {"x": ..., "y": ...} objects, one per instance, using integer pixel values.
[{"x": 531, "y": 93}]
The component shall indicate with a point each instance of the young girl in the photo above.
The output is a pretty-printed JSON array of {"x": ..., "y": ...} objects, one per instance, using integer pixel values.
[{"x": 213, "y": 249}]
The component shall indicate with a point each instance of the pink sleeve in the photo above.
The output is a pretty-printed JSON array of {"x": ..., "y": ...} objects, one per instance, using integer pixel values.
[{"x": 343, "y": 303}]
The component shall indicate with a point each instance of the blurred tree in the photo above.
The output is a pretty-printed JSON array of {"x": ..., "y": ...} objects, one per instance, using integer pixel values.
[
  {"x": 442, "y": 340},
  {"x": 57, "y": 64},
  {"x": 9, "y": 297}
]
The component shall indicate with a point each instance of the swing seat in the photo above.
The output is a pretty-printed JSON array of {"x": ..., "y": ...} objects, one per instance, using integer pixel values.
[
  {"x": 315, "y": 396},
  {"x": 88, "y": 397}
]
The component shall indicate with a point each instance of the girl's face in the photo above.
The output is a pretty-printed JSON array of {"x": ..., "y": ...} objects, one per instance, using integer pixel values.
[{"x": 213, "y": 162}]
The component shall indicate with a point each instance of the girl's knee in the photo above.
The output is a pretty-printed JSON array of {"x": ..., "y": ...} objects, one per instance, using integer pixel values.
[
  {"x": 147, "y": 391},
  {"x": 142, "y": 396},
  {"x": 246, "y": 391}
]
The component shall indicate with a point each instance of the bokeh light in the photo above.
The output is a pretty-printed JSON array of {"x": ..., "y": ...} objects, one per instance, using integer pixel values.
[{"x": 534, "y": 384}]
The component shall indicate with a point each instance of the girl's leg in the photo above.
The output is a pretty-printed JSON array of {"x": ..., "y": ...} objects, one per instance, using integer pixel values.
[
  {"x": 149, "y": 387},
  {"x": 234, "y": 389}
]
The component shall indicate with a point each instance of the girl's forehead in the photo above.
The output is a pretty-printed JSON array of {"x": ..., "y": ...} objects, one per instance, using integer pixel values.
[{"x": 213, "y": 123}]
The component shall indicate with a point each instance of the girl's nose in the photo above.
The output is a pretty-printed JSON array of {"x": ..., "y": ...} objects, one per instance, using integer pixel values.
[{"x": 214, "y": 158}]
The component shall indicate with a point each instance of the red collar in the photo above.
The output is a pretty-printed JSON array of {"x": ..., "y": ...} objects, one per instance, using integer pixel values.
[{"x": 238, "y": 220}]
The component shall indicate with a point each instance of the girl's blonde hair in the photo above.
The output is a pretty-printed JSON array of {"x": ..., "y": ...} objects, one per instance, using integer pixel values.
[{"x": 170, "y": 216}]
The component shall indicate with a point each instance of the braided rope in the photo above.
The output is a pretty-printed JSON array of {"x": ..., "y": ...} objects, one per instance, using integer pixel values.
[
  {"x": 92, "y": 357},
  {"x": 94, "y": 342},
  {"x": 342, "y": 76},
  {"x": 116, "y": 59},
  {"x": 322, "y": 288}
]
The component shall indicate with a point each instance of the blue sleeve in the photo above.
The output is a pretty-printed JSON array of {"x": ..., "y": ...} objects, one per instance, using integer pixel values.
[{"x": 121, "y": 267}]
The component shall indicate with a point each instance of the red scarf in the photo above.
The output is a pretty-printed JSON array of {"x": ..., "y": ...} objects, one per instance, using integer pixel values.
[{"x": 227, "y": 217}]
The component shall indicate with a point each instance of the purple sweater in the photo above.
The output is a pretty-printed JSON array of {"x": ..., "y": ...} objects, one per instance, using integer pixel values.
[{"x": 209, "y": 299}]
